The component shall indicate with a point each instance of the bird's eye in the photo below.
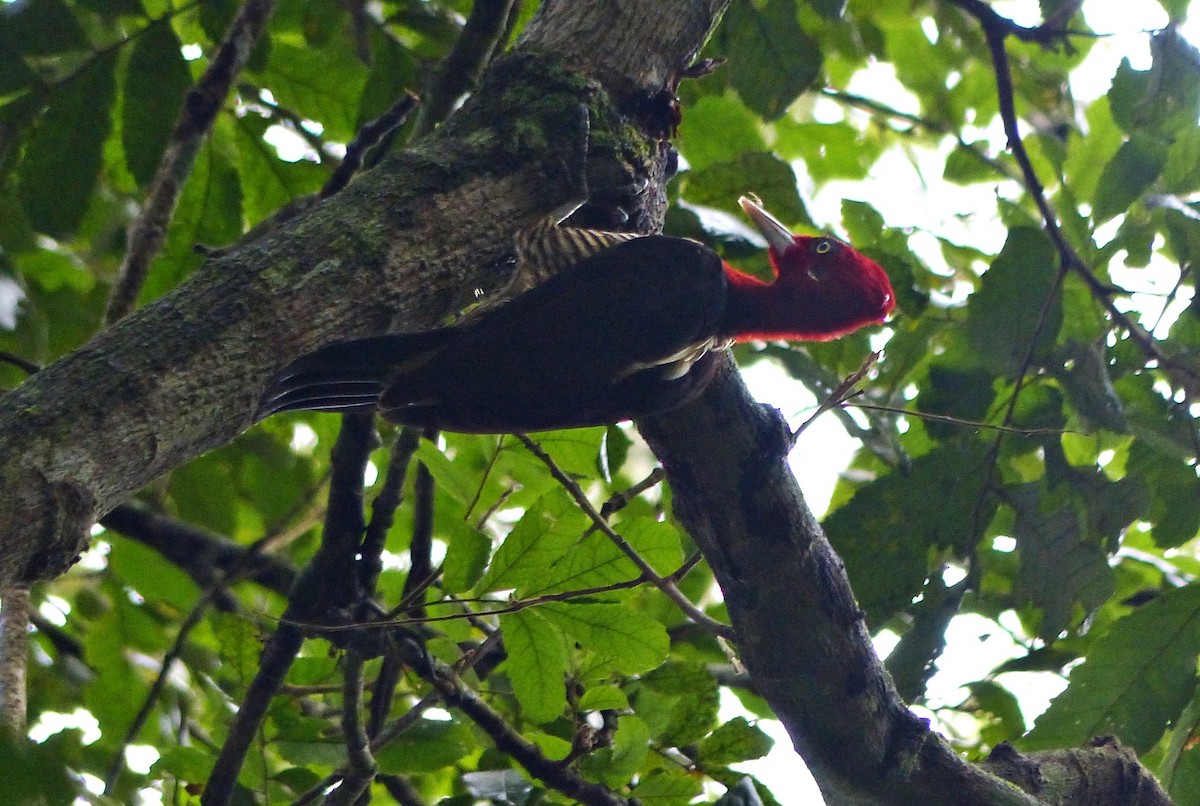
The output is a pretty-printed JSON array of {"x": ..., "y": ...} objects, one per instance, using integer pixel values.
[{"x": 823, "y": 247}]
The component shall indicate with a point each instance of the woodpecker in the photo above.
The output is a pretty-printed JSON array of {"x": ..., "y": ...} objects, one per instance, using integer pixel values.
[{"x": 631, "y": 327}]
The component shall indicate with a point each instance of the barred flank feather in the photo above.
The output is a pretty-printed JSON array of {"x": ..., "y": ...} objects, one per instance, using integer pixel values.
[
  {"x": 546, "y": 249},
  {"x": 543, "y": 251}
]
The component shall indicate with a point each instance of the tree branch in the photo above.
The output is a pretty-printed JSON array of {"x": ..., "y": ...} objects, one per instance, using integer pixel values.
[
  {"x": 459, "y": 72},
  {"x": 789, "y": 599},
  {"x": 14, "y": 651},
  {"x": 200, "y": 107}
]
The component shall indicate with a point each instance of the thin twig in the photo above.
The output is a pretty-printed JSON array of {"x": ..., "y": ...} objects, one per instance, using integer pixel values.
[
  {"x": 369, "y": 136},
  {"x": 841, "y": 393},
  {"x": 882, "y": 109},
  {"x": 665, "y": 585},
  {"x": 148, "y": 231},
  {"x": 383, "y": 510},
  {"x": 943, "y": 418},
  {"x": 25, "y": 365},
  {"x": 361, "y": 764},
  {"x": 620, "y": 500}
]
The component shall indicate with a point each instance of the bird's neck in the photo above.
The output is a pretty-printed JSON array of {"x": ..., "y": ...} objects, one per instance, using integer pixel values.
[
  {"x": 757, "y": 310},
  {"x": 792, "y": 308}
]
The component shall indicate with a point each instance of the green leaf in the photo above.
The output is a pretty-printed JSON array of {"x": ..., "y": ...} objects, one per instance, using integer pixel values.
[
  {"x": 1185, "y": 783},
  {"x": 1085, "y": 153},
  {"x": 829, "y": 150},
  {"x": 630, "y": 641},
  {"x": 426, "y": 746},
  {"x": 54, "y": 270},
  {"x": 1154, "y": 420},
  {"x": 35, "y": 773},
  {"x": 863, "y": 223},
  {"x": 992, "y": 698},
  {"x": 209, "y": 213},
  {"x": 1175, "y": 507},
  {"x": 40, "y": 28},
  {"x": 1005, "y": 316},
  {"x": 1136, "y": 679},
  {"x": 765, "y": 175},
  {"x": 678, "y": 702},
  {"x": 1183, "y": 235},
  {"x": 540, "y": 538},
  {"x": 956, "y": 392},
  {"x": 1163, "y": 99},
  {"x": 240, "y": 645},
  {"x": 64, "y": 153},
  {"x": 596, "y": 560},
  {"x": 1181, "y": 173},
  {"x": 311, "y": 754},
  {"x": 467, "y": 553},
  {"x": 735, "y": 741},
  {"x": 156, "y": 80},
  {"x": 124, "y": 627},
  {"x": 1062, "y": 566},
  {"x": 718, "y": 128},
  {"x": 536, "y": 664},
  {"x": 771, "y": 59},
  {"x": 603, "y": 698},
  {"x": 1089, "y": 386},
  {"x": 269, "y": 182},
  {"x": 885, "y": 531},
  {"x": 321, "y": 84},
  {"x": 667, "y": 788},
  {"x": 451, "y": 477},
  {"x": 630, "y": 746},
  {"x": 575, "y": 450},
  {"x": 189, "y": 764},
  {"x": 1134, "y": 167},
  {"x": 964, "y": 166},
  {"x": 145, "y": 571}
]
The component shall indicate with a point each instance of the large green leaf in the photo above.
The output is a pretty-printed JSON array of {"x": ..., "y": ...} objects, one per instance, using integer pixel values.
[
  {"x": 884, "y": 533},
  {"x": 1132, "y": 170},
  {"x": 632, "y": 642},
  {"x": 156, "y": 80},
  {"x": 1136, "y": 679},
  {"x": 1063, "y": 566},
  {"x": 544, "y": 533},
  {"x": 1017, "y": 311},
  {"x": 736, "y": 740},
  {"x": 771, "y": 59},
  {"x": 63, "y": 155},
  {"x": 536, "y": 664},
  {"x": 718, "y": 128}
]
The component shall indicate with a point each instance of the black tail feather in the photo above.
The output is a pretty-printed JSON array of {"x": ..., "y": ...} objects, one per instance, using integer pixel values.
[{"x": 345, "y": 377}]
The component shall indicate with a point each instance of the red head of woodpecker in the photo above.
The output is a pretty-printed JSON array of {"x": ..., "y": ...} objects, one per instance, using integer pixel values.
[
  {"x": 627, "y": 331},
  {"x": 822, "y": 288}
]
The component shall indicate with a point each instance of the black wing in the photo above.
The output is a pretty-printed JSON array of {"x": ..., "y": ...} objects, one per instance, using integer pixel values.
[{"x": 580, "y": 349}]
